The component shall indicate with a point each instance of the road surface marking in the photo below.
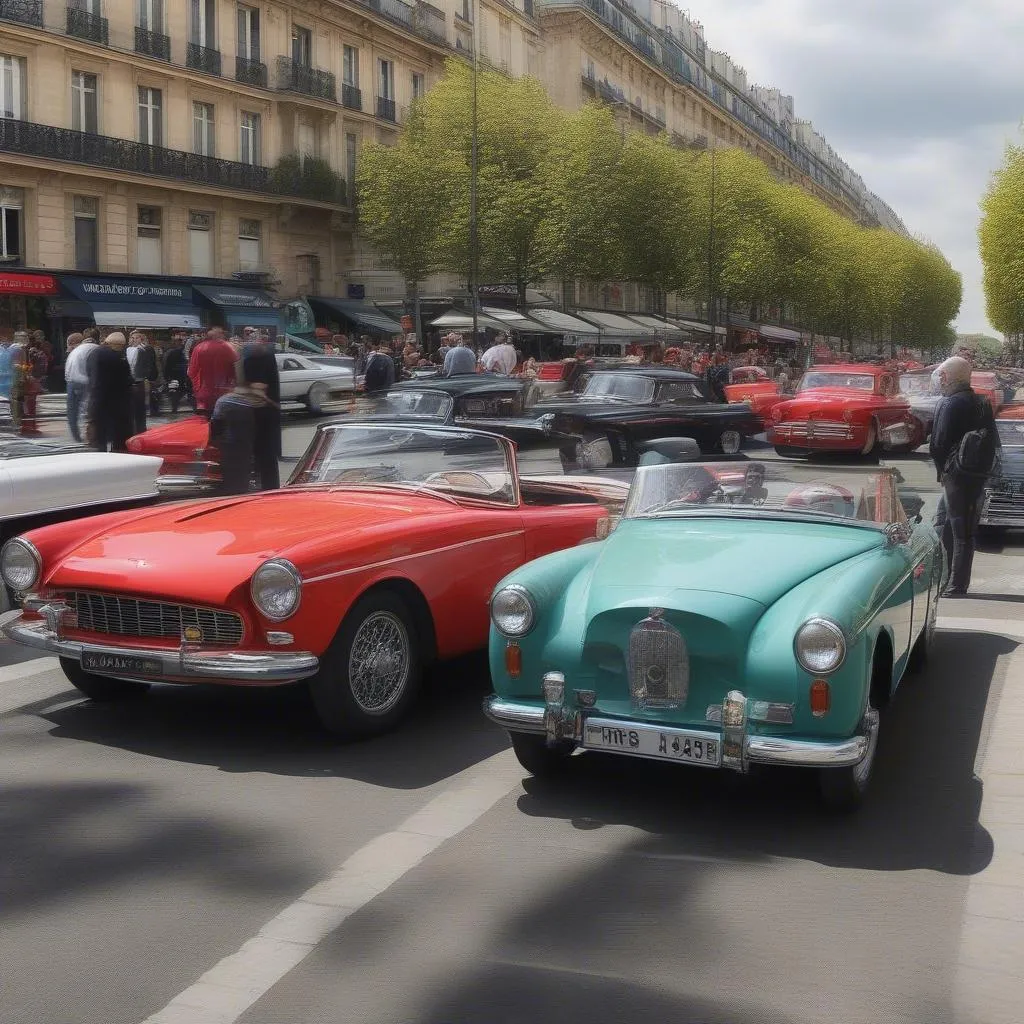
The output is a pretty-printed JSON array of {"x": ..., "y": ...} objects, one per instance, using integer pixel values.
[{"x": 228, "y": 989}]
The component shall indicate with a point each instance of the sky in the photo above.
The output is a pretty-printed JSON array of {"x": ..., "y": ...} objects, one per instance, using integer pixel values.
[{"x": 919, "y": 97}]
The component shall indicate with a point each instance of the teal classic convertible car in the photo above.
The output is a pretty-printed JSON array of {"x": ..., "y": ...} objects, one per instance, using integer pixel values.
[{"x": 739, "y": 613}]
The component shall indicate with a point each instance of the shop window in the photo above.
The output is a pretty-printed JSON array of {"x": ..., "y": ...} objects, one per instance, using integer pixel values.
[
  {"x": 12, "y": 209},
  {"x": 249, "y": 244},
  {"x": 86, "y": 217},
  {"x": 149, "y": 256},
  {"x": 200, "y": 243}
]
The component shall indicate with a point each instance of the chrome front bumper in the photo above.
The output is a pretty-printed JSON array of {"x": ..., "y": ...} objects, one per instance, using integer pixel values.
[
  {"x": 184, "y": 485},
  {"x": 192, "y": 663},
  {"x": 999, "y": 508},
  {"x": 775, "y": 750}
]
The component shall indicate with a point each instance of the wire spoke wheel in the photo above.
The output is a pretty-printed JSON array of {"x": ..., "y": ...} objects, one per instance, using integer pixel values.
[{"x": 379, "y": 662}]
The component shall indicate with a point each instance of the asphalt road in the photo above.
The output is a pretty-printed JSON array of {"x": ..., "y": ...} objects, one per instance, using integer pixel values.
[{"x": 418, "y": 879}]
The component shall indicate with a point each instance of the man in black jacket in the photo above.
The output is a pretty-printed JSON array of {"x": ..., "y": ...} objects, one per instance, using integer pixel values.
[
  {"x": 259, "y": 367},
  {"x": 110, "y": 395},
  {"x": 956, "y": 518}
]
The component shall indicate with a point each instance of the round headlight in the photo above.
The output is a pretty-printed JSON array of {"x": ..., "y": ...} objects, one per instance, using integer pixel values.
[
  {"x": 820, "y": 646},
  {"x": 512, "y": 611},
  {"x": 276, "y": 589},
  {"x": 20, "y": 564}
]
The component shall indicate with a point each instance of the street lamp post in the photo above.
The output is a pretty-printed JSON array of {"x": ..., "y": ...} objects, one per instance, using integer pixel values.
[{"x": 474, "y": 238}]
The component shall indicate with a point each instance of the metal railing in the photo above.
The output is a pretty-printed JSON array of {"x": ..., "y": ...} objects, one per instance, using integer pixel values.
[
  {"x": 40, "y": 140},
  {"x": 28, "y": 12},
  {"x": 152, "y": 44},
  {"x": 351, "y": 96},
  {"x": 83, "y": 25},
  {"x": 250, "y": 72},
  {"x": 429, "y": 22},
  {"x": 295, "y": 77},
  {"x": 202, "y": 58},
  {"x": 395, "y": 10},
  {"x": 386, "y": 109}
]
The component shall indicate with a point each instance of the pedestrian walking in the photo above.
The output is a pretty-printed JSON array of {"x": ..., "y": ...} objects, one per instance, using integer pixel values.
[
  {"x": 500, "y": 357},
  {"x": 379, "y": 371},
  {"x": 19, "y": 370},
  {"x": 211, "y": 369},
  {"x": 259, "y": 367},
  {"x": 110, "y": 395},
  {"x": 175, "y": 373},
  {"x": 963, "y": 447},
  {"x": 459, "y": 359},
  {"x": 718, "y": 376},
  {"x": 35, "y": 365},
  {"x": 76, "y": 376},
  {"x": 233, "y": 432},
  {"x": 145, "y": 374}
]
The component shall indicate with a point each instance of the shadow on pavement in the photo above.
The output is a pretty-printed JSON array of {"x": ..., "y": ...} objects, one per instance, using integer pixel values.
[
  {"x": 922, "y": 811},
  {"x": 275, "y": 730},
  {"x": 61, "y": 840}
]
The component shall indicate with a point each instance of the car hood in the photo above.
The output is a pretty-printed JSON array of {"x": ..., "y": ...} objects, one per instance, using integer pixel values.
[
  {"x": 760, "y": 560},
  {"x": 206, "y": 549},
  {"x": 848, "y": 397}
]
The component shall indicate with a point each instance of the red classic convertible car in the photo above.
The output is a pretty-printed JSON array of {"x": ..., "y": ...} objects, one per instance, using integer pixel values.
[
  {"x": 378, "y": 557},
  {"x": 845, "y": 408}
]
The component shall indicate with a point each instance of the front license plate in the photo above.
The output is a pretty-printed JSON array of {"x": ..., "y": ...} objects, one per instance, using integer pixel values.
[
  {"x": 120, "y": 664},
  {"x": 662, "y": 744}
]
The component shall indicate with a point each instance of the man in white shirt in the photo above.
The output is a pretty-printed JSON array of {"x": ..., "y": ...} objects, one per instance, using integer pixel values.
[
  {"x": 76, "y": 373},
  {"x": 500, "y": 357}
]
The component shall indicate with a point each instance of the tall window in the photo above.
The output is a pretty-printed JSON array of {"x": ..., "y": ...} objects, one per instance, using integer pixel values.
[
  {"x": 86, "y": 233},
  {"x": 12, "y": 86},
  {"x": 418, "y": 85},
  {"x": 249, "y": 235},
  {"x": 151, "y": 131},
  {"x": 203, "y": 130},
  {"x": 302, "y": 46},
  {"x": 200, "y": 243},
  {"x": 249, "y": 138},
  {"x": 248, "y": 33},
  {"x": 202, "y": 29},
  {"x": 505, "y": 41},
  {"x": 386, "y": 79},
  {"x": 306, "y": 139},
  {"x": 12, "y": 205},
  {"x": 149, "y": 255},
  {"x": 151, "y": 15},
  {"x": 351, "y": 155},
  {"x": 350, "y": 66},
  {"x": 83, "y": 102},
  {"x": 467, "y": 10}
]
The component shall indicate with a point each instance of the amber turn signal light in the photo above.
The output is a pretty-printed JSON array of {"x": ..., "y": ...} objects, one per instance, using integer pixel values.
[
  {"x": 821, "y": 698},
  {"x": 514, "y": 660}
]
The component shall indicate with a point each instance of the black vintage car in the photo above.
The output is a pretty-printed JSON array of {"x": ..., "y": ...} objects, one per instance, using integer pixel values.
[
  {"x": 1002, "y": 505},
  {"x": 614, "y": 412}
]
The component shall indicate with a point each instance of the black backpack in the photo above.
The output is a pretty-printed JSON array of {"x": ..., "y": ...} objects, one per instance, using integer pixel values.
[{"x": 976, "y": 453}]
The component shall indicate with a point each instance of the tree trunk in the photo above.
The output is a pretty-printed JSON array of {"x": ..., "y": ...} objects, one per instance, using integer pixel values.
[{"x": 417, "y": 322}]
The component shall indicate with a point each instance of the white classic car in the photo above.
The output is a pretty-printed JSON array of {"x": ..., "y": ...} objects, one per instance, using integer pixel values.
[
  {"x": 312, "y": 384},
  {"x": 49, "y": 480}
]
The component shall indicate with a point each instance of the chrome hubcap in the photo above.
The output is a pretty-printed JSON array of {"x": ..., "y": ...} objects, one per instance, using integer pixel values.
[
  {"x": 730, "y": 442},
  {"x": 378, "y": 665}
]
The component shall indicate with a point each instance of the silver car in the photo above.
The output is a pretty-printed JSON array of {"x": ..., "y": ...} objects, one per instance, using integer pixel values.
[{"x": 314, "y": 385}]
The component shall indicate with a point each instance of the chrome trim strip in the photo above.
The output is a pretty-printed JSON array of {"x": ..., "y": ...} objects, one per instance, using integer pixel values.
[
  {"x": 415, "y": 554},
  {"x": 859, "y": 627},
  {"x": 806, "y": 753},
  {"x": 254, "y": 666},
  {"x": 514, "y": 716},
  {"x": 177, "y": 484},
  {"x": 82, "y": 504}
]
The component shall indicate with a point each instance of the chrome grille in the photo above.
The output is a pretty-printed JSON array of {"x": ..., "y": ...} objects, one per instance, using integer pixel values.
[
  {"x": 815, "y": 428},
  {"x": 128, "y": 616},
  {"x": 1000, "y": 508},
  {"x": 659, "y": 665}
]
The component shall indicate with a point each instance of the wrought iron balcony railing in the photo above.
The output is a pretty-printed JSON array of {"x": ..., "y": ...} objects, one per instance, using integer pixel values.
[
  {"x": 250, "y": 72},
  {"x": 386, "y": 109},
  {"x": 83, "y": 25},
  {"x": 28, "y": 12},
  {"x": 429, "y": 21},
  {"x": 295, "y": 77},
  {"x": 151, "y": 44},
  {"x": 394, "y": 10},
  {"x": 202, "y": 58},
  {"x": 351, "y": 97},
  {"x": 40, "y": 140}
]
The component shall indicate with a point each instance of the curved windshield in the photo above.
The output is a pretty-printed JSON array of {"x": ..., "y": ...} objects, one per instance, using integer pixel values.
[
  {"x": 625, "y": 387},
  {"x": 1011, "y": 433},
  {"x": 449, "y": 463},
  {"x": 428, "y": 405},
  {"x": 818, "y": 379},
  {"x": 764, "y": 490},
  {"x": 918, "y": 384}
]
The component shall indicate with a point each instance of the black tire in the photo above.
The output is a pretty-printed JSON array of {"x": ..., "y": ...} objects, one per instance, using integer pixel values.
[
  {"x": 872, "y": 442},
  {"x": 539, "y": 759},
  {"x": 787, "y": 451},
  {"x": 342, "y": 709},
  {"x": 316, "y": 397},
  {"x": 99, "y": 688},
  {"x": 922, "y": 649},
  {"x": 844, "y": 789}
]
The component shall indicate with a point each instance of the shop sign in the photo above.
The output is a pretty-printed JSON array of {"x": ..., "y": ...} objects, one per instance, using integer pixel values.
[
  {"x": 27, "y": 284},
  {"x": 102, "y": 290},
  {"x": 226, "y": 297}
]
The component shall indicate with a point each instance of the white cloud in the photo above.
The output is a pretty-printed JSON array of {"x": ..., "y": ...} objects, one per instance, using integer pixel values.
[{"x": 920, "y": 97}]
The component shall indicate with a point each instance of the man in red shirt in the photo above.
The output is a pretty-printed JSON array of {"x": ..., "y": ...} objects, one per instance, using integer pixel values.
[{"x": 211, "y": 369}]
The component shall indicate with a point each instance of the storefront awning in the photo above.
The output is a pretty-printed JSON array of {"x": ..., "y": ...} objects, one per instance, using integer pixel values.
[
  {"x": 694, "y": 325},
  {"x": 153, "y": 316},
  {"x": 770, "y": 333},
  {"x": 460, "y": 320},
  {"x": 240, "y": 307},
  {"x": 565, "y": 324},
  {"x": 515, "y": 321},
  {"x": 660, "y": 326},
  {"x": 613, "y": 326},
  {"x": 361, "y": 313}
]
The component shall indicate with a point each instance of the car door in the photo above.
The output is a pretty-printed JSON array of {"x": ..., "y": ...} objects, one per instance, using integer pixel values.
[{"x": 293, "y": 384}]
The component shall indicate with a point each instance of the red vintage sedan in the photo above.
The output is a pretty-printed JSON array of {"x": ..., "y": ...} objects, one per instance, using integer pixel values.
[
  {"x": 846, "y": 408},
  {"x": 751, "y": 384},
  {"x": 377, "y": 558}
]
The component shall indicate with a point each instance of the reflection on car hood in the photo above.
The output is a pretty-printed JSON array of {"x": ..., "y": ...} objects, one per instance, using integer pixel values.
[
  {"x": 845, "y": 396},
  {"x": 757, "y": 559}
]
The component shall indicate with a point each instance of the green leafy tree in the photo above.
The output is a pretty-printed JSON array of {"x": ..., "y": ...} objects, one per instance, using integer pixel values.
[{"x": 1001, "y": 237}]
